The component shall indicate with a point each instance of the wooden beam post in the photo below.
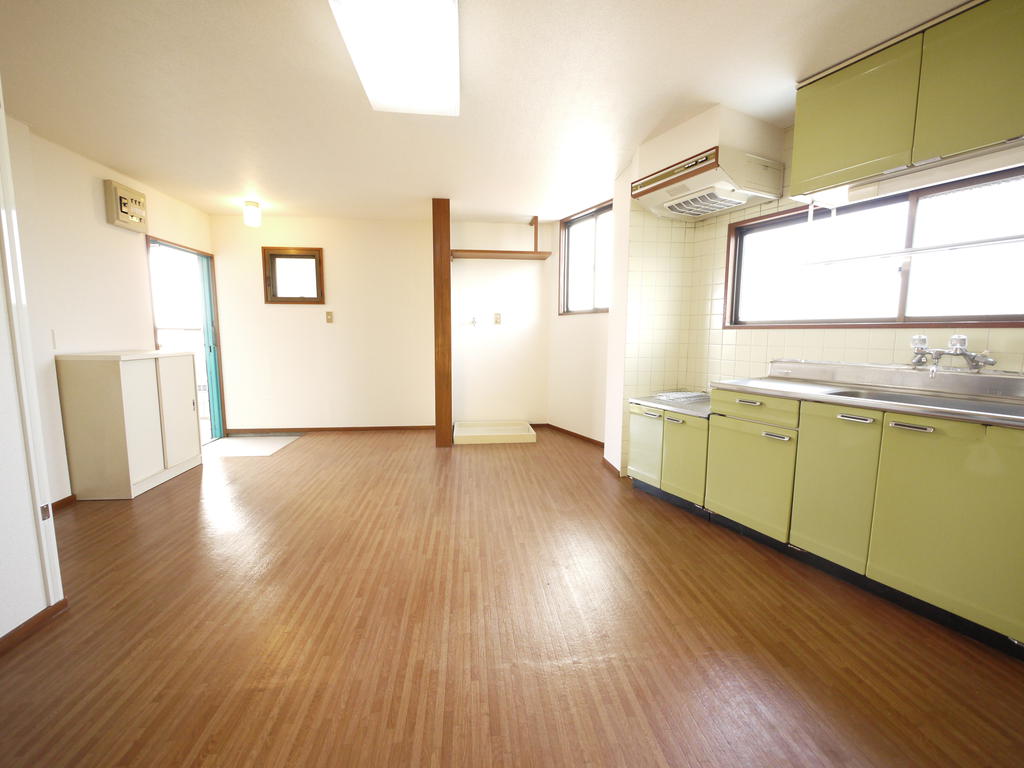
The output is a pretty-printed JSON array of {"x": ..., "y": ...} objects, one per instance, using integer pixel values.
[
  {"x": 442, "y": 222},
  {"x": 535, "y": 223}
]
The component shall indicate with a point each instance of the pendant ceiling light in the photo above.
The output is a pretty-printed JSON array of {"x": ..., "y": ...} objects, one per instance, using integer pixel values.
[{"x": 251, "y": 214}]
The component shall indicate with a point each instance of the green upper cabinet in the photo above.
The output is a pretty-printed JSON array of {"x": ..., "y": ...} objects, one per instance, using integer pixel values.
[
  {"x": 834, "y": 492},
  {"x": 972, "y": 78},
  {"x": 948, "y": 524},
  {"x": 857, "y": 122},
  {"x": 684, "y": 456},
  {"x": 750, "y": 474}
]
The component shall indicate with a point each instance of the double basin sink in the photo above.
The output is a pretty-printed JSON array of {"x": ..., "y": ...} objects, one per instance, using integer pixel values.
[{"x": 988, "y": 398}]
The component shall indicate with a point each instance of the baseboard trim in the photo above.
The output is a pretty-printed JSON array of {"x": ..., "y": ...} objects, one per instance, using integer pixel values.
[
  {"x": 609, "y": 466},
  {"x": 913, "y": 604},
  {"x": 59, "y": 504},
  {"x": 233, "y": 432},
  {"x": 569, "y": 432},
  {"x": 31, "y": 626},
  {"x": 676, "y": 501}
]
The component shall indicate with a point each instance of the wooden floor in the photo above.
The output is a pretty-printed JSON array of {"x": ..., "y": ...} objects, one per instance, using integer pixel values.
[{"x": 364, "y": 599}]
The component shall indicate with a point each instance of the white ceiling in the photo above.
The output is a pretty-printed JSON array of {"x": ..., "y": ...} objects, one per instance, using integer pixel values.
[{"x": 214, "y": 101}]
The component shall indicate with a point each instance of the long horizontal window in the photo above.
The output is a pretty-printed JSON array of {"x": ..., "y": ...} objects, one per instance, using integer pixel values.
[{"x": 953, "y": 253}]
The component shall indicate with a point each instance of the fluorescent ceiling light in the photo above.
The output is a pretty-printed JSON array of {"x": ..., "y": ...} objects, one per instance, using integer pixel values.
[
  {"x": 251, "y": 214},
  {"x": 406, "y": 52}
]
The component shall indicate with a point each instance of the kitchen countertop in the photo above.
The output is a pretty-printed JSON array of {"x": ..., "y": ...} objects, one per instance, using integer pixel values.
[
  {"x": 1007, "y": 412},
  {"x": 687, "y": 403}
]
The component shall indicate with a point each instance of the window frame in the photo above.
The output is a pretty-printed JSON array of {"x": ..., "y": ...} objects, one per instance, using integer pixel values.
[
  {"x": 269, "y": 274},
  {"x": 563, "y": 257},
  {"x": 734, "y": 258}
]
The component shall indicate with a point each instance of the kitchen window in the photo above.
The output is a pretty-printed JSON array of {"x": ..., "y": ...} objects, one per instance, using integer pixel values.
[
  {"x": 944, "y": 254},
  {"x": 586, "y": 261}
]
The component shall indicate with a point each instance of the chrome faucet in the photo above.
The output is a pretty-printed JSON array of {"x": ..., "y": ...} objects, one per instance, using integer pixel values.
[{"x": 957, "y": 348}]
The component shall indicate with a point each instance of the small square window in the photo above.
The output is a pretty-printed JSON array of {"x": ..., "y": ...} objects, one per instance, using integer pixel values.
[{"x": 293, "y": 275}]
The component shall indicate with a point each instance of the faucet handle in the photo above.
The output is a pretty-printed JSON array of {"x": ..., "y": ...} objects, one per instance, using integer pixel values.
[
  {"x": 957, "y": 342},
  {"x": 919, "y": 341}
]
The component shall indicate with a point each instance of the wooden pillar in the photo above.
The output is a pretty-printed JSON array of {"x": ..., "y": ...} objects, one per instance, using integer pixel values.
[{"x": 442, "y": 220}]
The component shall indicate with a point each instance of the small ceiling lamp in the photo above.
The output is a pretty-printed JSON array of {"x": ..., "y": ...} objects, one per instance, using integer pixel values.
[{"x": 251, "y": 214}]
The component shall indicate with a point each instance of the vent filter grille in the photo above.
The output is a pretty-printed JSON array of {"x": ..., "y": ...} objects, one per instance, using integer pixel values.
[{"x": 709, "y": 202}]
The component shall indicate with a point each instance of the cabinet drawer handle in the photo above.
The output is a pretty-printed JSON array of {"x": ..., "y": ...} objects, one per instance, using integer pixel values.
[
  {"x": 911, "y": 427},
  {"x": 748, "y": 402},
  {"x": 674, "y": 421},
  {"x": 650, "y": 415},
  {"x": 773, "y": 436},
  {"x": 858, "y": 419}
]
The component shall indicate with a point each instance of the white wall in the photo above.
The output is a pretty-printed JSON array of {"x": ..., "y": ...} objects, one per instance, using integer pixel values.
[
  {"x": 499, "y": 371},
  {"x": 87, "y": 281},
  {"x": 577, "y": 350},
  {"x": 616, "y": 343},
  {"x": 284, "y": 366}
]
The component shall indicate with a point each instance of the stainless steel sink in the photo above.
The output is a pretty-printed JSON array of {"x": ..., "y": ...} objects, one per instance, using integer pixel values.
[
  {"x": 934, "y": 401},
  {"x": 988, "y": 398}
]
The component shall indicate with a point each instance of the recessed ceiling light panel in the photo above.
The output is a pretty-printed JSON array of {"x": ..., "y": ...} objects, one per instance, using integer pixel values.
[{"x": 406, "y": 52}]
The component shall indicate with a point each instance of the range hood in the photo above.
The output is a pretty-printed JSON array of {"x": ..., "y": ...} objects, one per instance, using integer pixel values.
[{"x": 709, "y": 182}]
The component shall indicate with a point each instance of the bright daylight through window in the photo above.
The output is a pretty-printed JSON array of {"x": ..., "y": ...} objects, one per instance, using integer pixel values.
[
  {"x": 953, "y": 252},
  {"x": 587, "y": 261}
]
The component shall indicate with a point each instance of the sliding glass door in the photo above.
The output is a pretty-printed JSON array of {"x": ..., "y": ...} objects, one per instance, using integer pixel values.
[{"x": 185, "y": 320}]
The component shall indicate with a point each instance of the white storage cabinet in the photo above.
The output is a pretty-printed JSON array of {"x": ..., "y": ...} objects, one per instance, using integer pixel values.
[{"x": 130, "y": 420}]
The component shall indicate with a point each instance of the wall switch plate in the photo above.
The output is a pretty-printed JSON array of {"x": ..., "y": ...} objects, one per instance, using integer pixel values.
[
  {"x": 330, "y": 317},
  {"x": 497, "y": 318}
]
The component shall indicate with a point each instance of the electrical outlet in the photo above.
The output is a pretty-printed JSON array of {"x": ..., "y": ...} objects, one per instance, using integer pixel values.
[
  {"x": 330, "y": 317},
  {"x": 497, "y": 318}
]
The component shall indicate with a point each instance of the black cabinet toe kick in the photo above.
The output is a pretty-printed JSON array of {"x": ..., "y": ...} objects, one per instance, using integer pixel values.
[{"x": 959, "y": 624}]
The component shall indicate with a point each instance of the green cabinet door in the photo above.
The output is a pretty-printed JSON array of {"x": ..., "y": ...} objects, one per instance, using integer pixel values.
[
  {"x": 948, "y": 523},
  {"x": 781, "y": 411},
  {"x": 857, "y": 122},
  {"x": 972, "y": 77},
  {"x": 834, "y": 490},
  {"x": 645, "y": 435},
  {"x": 684, "y": 456},
  {"x": 750, "y": 474}
]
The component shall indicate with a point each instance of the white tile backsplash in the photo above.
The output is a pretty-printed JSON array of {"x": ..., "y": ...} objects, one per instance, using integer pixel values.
[{"x": 674, "y": 331}]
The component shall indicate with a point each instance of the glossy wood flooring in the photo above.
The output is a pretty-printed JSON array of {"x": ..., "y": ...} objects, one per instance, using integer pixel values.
[{"x": 364, "y": 599}]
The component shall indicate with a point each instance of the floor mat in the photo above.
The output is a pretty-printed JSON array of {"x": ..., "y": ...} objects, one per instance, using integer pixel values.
[{"x": 262, "y": 445}]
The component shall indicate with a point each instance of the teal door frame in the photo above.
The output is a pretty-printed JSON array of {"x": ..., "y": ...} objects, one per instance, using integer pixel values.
[
  {"x": 210, "y": 336},
  {"x": 211, "y": 332}
]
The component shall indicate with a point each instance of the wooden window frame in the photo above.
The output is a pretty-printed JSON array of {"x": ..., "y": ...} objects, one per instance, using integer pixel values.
[
  {"x": 268, "y": 274},
  {"x": 734, "y": 258},
  {"x": 563, "y": 258}
]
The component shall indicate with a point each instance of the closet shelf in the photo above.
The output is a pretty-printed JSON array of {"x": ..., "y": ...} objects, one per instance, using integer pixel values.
[{"x": 479, "y": 254}]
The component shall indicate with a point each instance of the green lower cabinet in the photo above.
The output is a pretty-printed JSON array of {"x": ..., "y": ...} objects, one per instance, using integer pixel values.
[
  {"x": 645, "y": 436},
  {"x": 684, "y": 456},
  {"x": 834, "y": 490},
  {"x": 948, "y": 523},
  {"x": 750, "y": 474}
]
